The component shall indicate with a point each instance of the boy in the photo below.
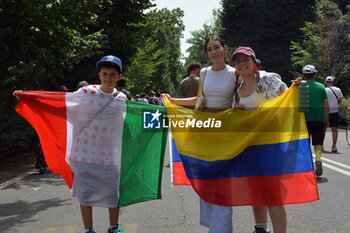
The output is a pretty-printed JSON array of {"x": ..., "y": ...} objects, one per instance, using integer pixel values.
[{"x": 95, "y": 182}]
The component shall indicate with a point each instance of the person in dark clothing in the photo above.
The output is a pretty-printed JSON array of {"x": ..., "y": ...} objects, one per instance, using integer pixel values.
[{"x": 120, "y": 87}]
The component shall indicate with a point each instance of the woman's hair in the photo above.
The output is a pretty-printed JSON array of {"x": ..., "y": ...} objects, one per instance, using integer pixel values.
[{"x": 215, "y": 38}]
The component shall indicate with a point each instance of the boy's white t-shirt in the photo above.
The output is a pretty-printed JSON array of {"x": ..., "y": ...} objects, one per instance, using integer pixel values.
[{"x": 95, "y": 152}]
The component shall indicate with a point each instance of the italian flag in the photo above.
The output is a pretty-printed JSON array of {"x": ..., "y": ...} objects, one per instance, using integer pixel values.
[{"x": 88, "y": 127}]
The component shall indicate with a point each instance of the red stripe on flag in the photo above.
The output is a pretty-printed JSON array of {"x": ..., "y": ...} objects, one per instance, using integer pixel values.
[
  {"x": 259, "y": 190},
  {"x": 46, "y": 112},
  {"x": 179, "y": 174}
]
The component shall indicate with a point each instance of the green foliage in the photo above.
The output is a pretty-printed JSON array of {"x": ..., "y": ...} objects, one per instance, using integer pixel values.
[
  {"x": 166, "y": 27},
  {"x": 20, "y": 139},
  {"x": 143, "y": 68},
  {"x": 343, "y": 5},
  {"x": 196, "y": 50},
  {"x": 124, "y": 27},
  {"x": 342, "y": 69},
  {"x": 41, "y": 41},
  {"x": 326, "y": 45},
  {"x": 307, "y": 51},
  {"x": 268, "y": 27},
  {"x": 124, "y": 24},
  {"x": 344, "y": 115}
]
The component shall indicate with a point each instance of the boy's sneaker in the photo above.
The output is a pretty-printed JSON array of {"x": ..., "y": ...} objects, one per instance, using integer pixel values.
[
  {"x": 318, "y": 165},
  {"x": 260, "y": 230},
  {"x": 334, "y": 149},
  {"x": 117, "y": 229}
]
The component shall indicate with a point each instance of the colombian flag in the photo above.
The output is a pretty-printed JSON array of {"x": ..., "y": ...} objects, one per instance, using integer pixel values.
[{"x": 260, "y": 157}]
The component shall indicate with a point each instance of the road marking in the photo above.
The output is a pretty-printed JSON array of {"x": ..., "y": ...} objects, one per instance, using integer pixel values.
[
  {"x": 347, "y": 173},
  {"x": 336, "y": 163}
]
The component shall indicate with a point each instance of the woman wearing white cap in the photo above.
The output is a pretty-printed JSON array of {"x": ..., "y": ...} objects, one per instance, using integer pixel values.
[{"x": 255, "y": 88}]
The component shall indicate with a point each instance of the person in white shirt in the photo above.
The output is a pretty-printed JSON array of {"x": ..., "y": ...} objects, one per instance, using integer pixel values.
[
  {"x": 335, "y": 97},
  {"x": 142, "y": 98},
  {"x": 218, "y": 89}
]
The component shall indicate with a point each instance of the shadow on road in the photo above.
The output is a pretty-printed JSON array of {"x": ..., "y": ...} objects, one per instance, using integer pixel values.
[
  {"x": 330, "y": 152},
  {"x": 28, "y": 178},
  {"x": 20, "y": 172},
  {"x": 321, "y": 180},
  {"x": 21, "y": 212}
]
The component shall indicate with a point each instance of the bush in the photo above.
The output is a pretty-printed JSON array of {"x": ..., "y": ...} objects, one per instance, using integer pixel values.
[
  {"x": 344, "y": 115},
  {"x": 17, "y": 136}
]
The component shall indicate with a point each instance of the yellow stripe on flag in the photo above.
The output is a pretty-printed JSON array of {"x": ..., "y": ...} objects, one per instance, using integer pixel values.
[{"x": 275, "y": 121}]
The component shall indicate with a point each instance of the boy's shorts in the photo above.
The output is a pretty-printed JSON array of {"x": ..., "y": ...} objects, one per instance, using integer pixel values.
[
  {"x": 95, "y": 185},
  {"x": 316, "y": 132},
  {"x": 333, "y": 119}
]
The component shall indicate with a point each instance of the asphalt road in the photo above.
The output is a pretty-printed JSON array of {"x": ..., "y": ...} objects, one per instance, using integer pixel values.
[{"x": 32, "y": 203}]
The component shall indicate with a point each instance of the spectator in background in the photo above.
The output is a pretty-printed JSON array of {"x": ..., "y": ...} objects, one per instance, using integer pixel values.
[
  {"x": 153, "y": 99},
  {"x": 137, "y": 97},
  {"x": 142, "y": 98},
  {"x": 121, "y": 88},
  {"x": 161, "y": 102},
  {"x": 82, "y": 84},
  {"x": 63, "y": 88},
  {"x": 189, "y": 85},
  {"x": 258, "y": 64},
  {"x": 335, "y": 97},
  {"x": 40, "y": 162},
  {"x": 317, "y": 116}
]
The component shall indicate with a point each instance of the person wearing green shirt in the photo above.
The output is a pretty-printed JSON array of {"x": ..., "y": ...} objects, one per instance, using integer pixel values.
[{"x": 317, "y": 116}]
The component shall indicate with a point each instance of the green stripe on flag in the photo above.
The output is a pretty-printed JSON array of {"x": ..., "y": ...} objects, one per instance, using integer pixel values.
[{"x": 142, "y": 156}]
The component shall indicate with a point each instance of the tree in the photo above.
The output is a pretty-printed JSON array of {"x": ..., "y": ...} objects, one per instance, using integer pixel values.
[
  {"x": 39, "y": 40},
  {"x": 124, "y": 24},
  {"x": 124, "y": 27},
  {"x": 342, "y": 5},
  {"x": 196, "y": 50},
  {"x": 326, "y": 45},
  {"x": 268, "y": 26},
  {"x": 166, "y": 27},
  {"x": 42, "y": 41},
  {"x": 342, "y": 69},
  {"x": 143, "y": 68},
  {"x": 321, "y": 39}
]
